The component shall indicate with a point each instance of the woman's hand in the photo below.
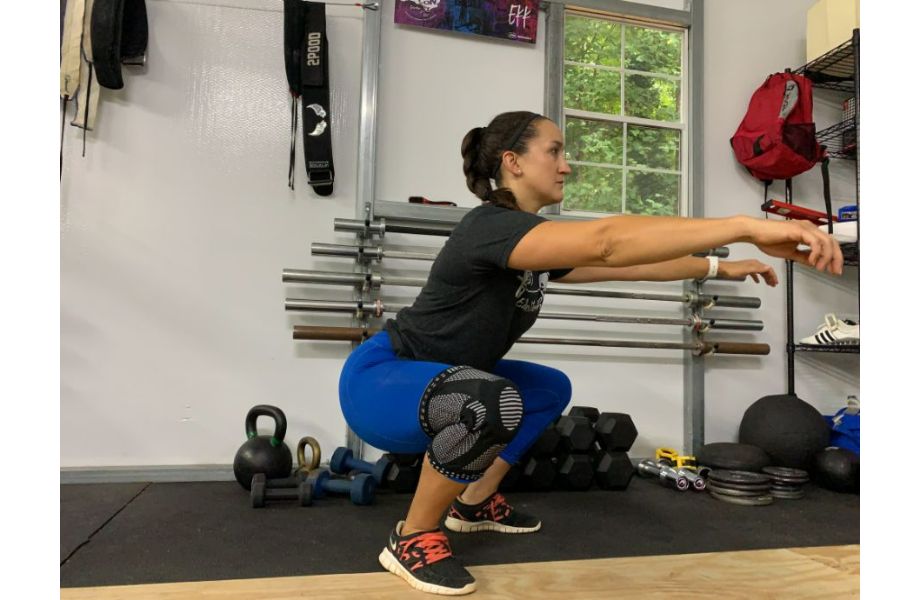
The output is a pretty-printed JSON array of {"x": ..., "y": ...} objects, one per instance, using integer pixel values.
[
  {"x": 782, "y": 239},
  {"x": 740, "y": 269}
]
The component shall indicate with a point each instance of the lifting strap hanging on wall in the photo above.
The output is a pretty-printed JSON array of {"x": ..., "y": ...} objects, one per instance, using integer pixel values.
[
  {"x": 99, "y": 36},
  {"x": 119, "y": 33},
  {"x": 89, "y": 90},
  {"x": 306, "y": 62}
]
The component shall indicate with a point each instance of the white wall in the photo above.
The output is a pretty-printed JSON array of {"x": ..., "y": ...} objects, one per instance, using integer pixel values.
[
  {"x": 174, "y": 230},
  {"x": 744, "y": 42},
  {"x": 176, "y": 225}
]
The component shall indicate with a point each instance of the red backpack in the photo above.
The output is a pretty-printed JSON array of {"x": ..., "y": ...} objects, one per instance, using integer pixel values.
[{"x": 776, "y": 138}]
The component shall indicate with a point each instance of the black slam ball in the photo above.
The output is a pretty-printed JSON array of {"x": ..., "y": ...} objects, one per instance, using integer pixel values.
[
  {"x": 837, "y": 469},
  {"x": 789, "y": 429}
]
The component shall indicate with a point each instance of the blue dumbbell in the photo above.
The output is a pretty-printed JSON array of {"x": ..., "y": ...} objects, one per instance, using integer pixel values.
[
  {"x": 344, "y": 461},
  {"x": 361, "y": 489}
]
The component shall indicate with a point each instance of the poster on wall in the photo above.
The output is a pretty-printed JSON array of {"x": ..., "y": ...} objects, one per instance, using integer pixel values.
[{"x": 506, "y": 19}]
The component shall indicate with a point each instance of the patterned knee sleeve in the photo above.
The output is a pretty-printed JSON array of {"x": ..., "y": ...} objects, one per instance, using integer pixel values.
[{"x": 471, "y": 416}]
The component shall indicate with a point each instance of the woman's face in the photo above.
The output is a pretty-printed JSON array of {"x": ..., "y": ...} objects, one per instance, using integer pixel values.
[{"x": 543, "y": 167}]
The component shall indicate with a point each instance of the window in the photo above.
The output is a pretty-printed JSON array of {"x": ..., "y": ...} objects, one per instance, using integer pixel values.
[{"x": 624, "y": 116}]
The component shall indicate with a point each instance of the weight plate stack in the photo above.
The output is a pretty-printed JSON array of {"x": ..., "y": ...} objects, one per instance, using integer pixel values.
[
  {"x": 745, "y": 488},
  {"x": 787, "y": 482}
]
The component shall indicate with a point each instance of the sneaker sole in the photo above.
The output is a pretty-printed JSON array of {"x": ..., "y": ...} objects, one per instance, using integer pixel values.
[
  {"x": 459, "y": 526},
  {"x": 389, "y": 562}
]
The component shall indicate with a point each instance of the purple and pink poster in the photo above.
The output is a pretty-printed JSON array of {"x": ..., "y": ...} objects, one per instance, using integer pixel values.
[{"x": 507, "y": 19}]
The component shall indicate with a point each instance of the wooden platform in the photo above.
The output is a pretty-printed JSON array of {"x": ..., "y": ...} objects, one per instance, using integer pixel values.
[{"x": 825, "y": 572}]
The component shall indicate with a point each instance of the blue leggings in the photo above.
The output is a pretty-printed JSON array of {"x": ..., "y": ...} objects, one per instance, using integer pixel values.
[{"x": 380, "y": 394}]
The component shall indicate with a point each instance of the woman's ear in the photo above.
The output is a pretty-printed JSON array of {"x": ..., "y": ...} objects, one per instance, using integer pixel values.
[{"x": 509, "y": 161}]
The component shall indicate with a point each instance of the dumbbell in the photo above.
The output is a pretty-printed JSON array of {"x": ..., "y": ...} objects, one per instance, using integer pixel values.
[
  {"x": 575, "y": 472},
  {"x": 539, "y": 473},
  {"x": 697, "y": 481},
  {"x": 361, "y": 489},
  {"x": 615, "y": 431},
  {"x": 585, "y": 411},
  {"x": 263, "y": 489},
  {"x": 343, "y": 461},
  {"x": 666, "y": 475},
  {"x": 613, "y": 470},
  {"x": 576, "y": 432},
  {"x": 685, "y": 466},
  {"x": 403, "y": 475},
  {"x": 547, "y": 443},
  {"x": 512, "y": 479}
]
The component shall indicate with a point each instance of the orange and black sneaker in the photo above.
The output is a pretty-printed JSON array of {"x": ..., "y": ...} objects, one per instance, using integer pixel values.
[
  {"x": 492, "y": 514},
  {"x": 425, "y": 561}
]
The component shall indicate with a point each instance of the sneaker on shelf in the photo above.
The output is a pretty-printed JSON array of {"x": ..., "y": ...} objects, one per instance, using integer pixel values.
[
  {"x": 834, "y": 332},
  {"x": 492, "y": 514},
  {"x": 425, "y": 561},
  {"x": 844, "y": 231}
]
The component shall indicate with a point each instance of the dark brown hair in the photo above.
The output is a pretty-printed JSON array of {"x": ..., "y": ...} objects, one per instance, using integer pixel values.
[{"x": 482, "y": 149}]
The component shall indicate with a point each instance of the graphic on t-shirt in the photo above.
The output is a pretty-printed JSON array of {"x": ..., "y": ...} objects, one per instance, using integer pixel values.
[{"x": 529, "y": 295}]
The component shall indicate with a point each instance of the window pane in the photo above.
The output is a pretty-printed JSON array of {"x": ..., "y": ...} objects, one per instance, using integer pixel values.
[
  {"x": 653, "y": 147},
  {"x": 595, "y": 189},
  {"x": 593, "y": 141},
  {"x": 652, "y": 193},
  {"x": 592, "y": 41},
  {"x": 652, "y": 98},
  {"x": 596, "y": 90},
  {"x": 653, "y": 50}
]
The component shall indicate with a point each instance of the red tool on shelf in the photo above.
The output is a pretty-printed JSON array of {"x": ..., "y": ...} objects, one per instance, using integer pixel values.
[
  {"x": 424, "y": 200},
  {"x": 791, "y": 211}
]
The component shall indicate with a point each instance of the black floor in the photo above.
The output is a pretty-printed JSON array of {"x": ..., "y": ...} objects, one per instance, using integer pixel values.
[{"x": 114, "y": 534}]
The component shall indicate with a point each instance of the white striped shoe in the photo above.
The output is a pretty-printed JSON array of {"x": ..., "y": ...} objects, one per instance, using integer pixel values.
[{"x": 834, "y": 332}]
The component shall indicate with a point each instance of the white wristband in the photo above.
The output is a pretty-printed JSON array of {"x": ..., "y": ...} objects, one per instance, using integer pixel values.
[{"x": 713, "y": 268}]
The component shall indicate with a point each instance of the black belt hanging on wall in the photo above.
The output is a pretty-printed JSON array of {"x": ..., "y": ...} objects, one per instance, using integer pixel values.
[
  {"x": 119, "y": 36},
  {"x": 306, "y": 61}
]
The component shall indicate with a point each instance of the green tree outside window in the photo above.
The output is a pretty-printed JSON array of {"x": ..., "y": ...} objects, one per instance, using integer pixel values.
[{"x": 622, "y": 73}]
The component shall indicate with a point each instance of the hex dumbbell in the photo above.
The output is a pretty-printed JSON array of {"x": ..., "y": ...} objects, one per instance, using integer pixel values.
[
  {"x": 613, "y": 470},
  {"x": 512, "y": 479},
  {"x": 404, "y": 474},
  {"x": 547, "y": 443},
  {"x": 575, "y": 472},
  {"x": 343, "y": 461},
  {"x": 263, "y": 489},
  {"x": 615, "y": 431},
  {"x": 539, "y": 473},
  {"x": 576, "y": 432},
  {"x": 361, "y": 489},
  {"x": 590, "y": 412}
]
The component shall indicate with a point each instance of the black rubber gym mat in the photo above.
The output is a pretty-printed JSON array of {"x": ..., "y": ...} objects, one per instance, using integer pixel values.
[
  {"x": 86, "y": 508},
  {"x": 207, "y": 531}
]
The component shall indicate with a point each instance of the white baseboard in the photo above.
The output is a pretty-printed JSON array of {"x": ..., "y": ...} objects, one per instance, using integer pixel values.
[{"x": 145, "y": 474}]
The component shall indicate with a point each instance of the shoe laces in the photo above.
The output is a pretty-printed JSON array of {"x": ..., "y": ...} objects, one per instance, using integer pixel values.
[
  {"x": 831, "y": 322},
  {"x": 433, "y": 546},
  {"x": 498, "y": 506}
]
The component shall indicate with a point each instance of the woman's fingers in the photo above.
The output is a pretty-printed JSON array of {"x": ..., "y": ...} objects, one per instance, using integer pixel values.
[
  {"x": 769, "y": 276},
  {"x": 824, "y": 253},
  {"x": 838, "y": 259}
]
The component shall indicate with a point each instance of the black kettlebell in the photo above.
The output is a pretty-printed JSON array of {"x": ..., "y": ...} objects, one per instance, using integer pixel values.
[{"x": 266, "y": 454}]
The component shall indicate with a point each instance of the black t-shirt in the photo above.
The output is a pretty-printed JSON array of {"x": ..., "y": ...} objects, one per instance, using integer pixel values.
[{"x": 473, "y": 307}]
